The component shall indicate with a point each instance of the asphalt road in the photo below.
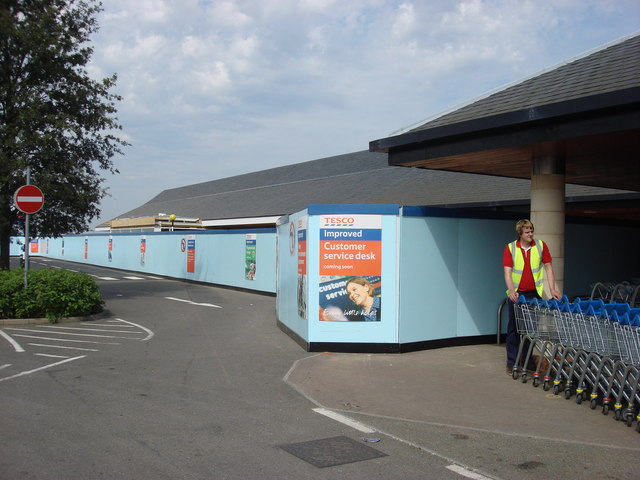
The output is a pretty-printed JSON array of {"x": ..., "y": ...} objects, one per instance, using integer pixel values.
[
  {"x": 177, "y": 381},
  {"x": 186, "y": 381}
]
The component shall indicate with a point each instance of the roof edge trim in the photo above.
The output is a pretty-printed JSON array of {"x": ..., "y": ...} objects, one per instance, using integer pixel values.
[
  {"x": 549, "y": 112},
  {"x": 352, "y": 208}
]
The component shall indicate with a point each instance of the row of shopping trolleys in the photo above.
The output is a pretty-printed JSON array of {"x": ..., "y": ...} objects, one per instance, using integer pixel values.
[{"x": 587, "y": 348}]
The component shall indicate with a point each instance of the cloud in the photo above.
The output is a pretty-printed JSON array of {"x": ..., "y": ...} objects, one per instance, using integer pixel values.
[
  {"x": 229, "y": 14},
  {"x": 405, "y": 20},
  {"x": 213, "y": 88}
]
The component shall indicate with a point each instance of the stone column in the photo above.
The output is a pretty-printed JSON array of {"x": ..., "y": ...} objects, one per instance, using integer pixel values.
[{"x": 548, "y": 207}]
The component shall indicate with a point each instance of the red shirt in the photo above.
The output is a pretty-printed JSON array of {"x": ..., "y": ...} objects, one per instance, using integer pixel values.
[{"x": 526, "y": 282}]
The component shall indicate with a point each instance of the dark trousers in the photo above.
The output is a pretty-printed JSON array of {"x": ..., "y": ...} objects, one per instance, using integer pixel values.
[{"x": 513, "y": 339}]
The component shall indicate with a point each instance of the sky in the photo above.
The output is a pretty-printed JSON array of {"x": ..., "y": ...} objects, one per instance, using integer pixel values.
[{"x": 216, "y": 88}]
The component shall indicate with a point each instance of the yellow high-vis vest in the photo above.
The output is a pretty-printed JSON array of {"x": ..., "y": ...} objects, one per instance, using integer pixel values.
[{"x": 535, "y": 259}]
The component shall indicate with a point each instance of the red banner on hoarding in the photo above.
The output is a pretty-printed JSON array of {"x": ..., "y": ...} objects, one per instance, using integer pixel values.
[{"x": 191, "y": 254}]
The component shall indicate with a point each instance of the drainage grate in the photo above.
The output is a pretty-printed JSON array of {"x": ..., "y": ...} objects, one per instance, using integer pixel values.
[{"x": 329, "y": 452}]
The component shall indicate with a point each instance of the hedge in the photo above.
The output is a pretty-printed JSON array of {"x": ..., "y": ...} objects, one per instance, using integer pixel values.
[{"x": 51, "y": 293}]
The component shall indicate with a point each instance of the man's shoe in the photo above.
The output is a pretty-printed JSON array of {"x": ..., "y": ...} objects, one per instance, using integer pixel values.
[
  {"x": 545, "y": 366},
  {"x": 509, "y": 369},
  {"x": 533, "y": 362}
]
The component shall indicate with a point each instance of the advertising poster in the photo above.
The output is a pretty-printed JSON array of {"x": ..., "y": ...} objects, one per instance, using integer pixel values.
[
  {"x": 34, "y": 246},
  {"x": 86, "y": 247},
  {"x": 350, "y": 268},
  {"x": 250, "y": 256},
  {"x": 302, "y": 267},
  {"x": 110, "y": 248},
  {"x": 143, "y": 249},
  {"x": 191, "y": 254}
]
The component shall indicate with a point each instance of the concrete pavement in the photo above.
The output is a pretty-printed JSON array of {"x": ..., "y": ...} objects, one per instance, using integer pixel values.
[{"x": 458, "y": 403}]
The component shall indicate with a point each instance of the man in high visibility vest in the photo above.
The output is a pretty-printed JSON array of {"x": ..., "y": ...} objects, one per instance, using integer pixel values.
[{"x": 526, "y": 262}]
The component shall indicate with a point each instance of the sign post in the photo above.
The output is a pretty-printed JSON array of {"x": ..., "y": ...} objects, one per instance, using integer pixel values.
[{"x": 28, "y": 199}]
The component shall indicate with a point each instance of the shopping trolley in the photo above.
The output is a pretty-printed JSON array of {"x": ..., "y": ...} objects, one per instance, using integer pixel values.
[
  {"x": 625, "y": 329},
  {"x": 534, "y": 322}
]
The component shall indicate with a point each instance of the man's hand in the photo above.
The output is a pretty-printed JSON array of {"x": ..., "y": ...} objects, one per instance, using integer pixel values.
[{"x": 556, "y": 294}]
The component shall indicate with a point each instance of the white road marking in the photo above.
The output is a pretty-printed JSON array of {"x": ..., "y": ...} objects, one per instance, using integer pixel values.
[
  {"x": 13, "y": 343},
  {"x": 63, "y": 347},
  {"x": 56, "y": 327},
  {"x": 465, "y": 472},
  {"x": 104, "y": 278},
  {"x": 49, "y": 355},
  {"x": 66, "y": 333},
  {"x": 111, "y": 326},
  {"x": 150, "y": 334},
  {"x": 193, "y": 303},
  {"x": 5, "y": 366},
  {"x": 65, "y": 339},
  {"x": 134, "y": 278},
  {"x": 29, "y": 372},
  {"x": 345, "y": 420}
]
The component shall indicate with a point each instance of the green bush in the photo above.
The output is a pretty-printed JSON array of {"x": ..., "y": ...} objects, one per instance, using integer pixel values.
[{"x": 51, "y": 293}]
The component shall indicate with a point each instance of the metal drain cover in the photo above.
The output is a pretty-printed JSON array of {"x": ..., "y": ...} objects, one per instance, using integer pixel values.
[{"x": 329, "y": 452}]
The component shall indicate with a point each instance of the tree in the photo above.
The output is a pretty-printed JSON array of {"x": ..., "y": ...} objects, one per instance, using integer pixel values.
[{"x": 54, "y": 118}]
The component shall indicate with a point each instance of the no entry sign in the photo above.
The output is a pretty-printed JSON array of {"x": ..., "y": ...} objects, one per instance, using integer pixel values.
[{"x": 28, "y": 199}]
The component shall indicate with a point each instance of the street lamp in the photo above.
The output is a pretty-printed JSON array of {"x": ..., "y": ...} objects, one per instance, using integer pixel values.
[{"x": 172, "y": 217}]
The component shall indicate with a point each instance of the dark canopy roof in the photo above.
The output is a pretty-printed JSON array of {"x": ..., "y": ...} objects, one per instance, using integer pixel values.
[{"x": 586, "y": 111}]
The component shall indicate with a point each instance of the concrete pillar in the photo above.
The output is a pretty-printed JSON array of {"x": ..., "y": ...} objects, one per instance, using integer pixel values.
[{"x": 548, "y": 208}]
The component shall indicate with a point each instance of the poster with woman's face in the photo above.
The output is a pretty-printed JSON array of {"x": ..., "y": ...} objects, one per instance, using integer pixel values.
[
  {"x": 350, "y": 299},
  {"x": 350, "y": 268}
]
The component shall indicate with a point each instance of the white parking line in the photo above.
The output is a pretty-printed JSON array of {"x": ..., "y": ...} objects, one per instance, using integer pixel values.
[
  {"x": 193, "y": 303},
  {"x": 150, "y": 334},
  {"x": 13, "y": 343},
  {"x": 29, "y": 372},
  {"x": 56, "y": 327},
  {"x": 65, "y": 339},
  {"x": 118, "y": 324},
  {"x": 50, "y": 355},
  {"x": 345, "y": 420},
  {"x": 66, "y": 333},
  {"x": 465, "y": 472},
  {"x": 63, "y": 347}
]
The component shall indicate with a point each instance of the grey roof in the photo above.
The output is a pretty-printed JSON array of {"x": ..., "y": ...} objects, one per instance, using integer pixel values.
[
  {"x": 611, "y": 68},
  {"x": 354, "y": 178}
]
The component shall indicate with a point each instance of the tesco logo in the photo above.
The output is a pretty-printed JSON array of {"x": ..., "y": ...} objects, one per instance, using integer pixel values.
[
  {"x": 334, "y": 220},
  {"x": 339, "y": 221}
]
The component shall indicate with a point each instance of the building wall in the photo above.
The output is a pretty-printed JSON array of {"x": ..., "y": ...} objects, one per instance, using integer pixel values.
[
  {"x": 305, "y": 322},
  {"x": 451, "y": 281},
  {"x": 451, "y": 276},
  {"x": 442, "y": 275},
  {"x": 292, "y": 307},
  {"x": 219, "y": 256},
  {"x": 441, "y": 272}
]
